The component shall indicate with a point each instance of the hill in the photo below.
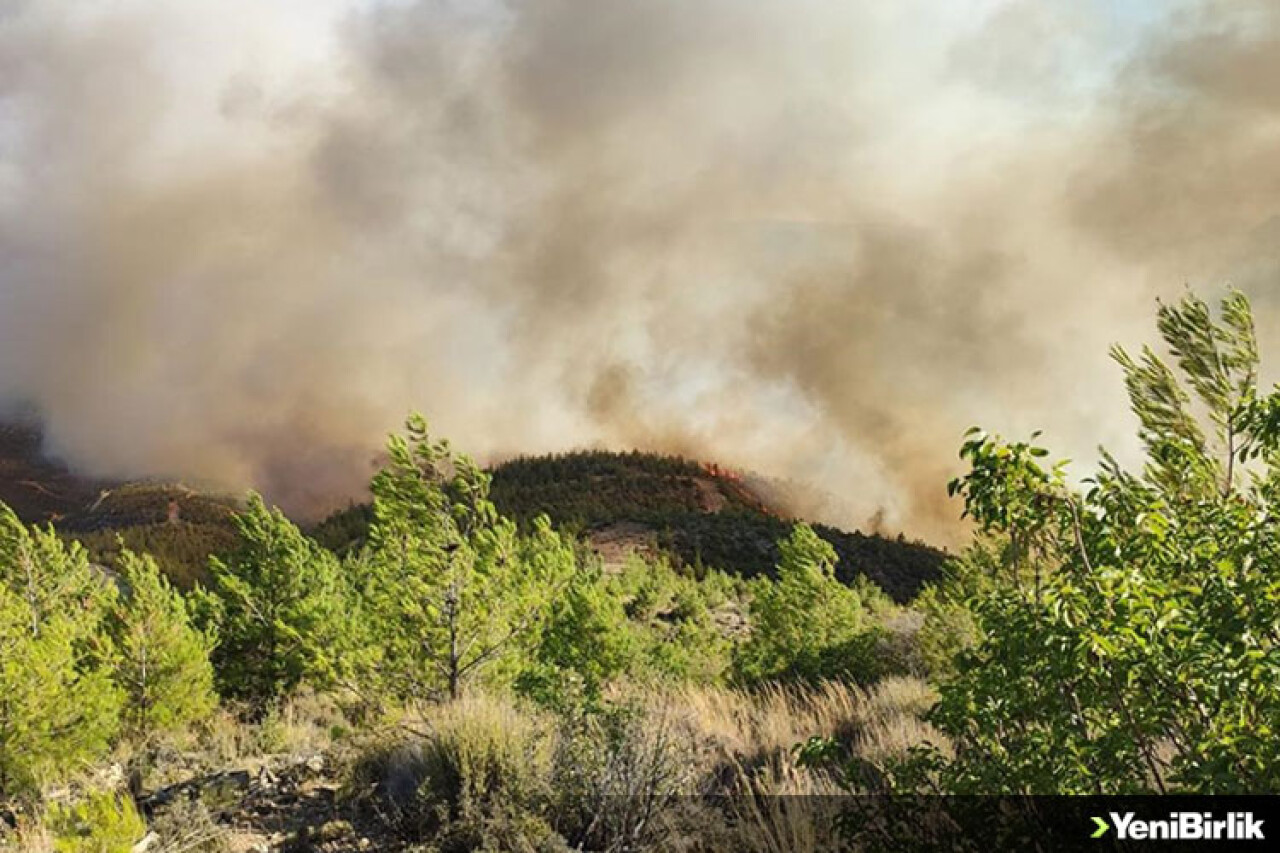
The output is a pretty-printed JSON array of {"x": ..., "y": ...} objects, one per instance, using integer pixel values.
[
  {"x": 700, "y": 515},
  {"x": 178, "y": 526},
  {"x": 37, "y": 488}
]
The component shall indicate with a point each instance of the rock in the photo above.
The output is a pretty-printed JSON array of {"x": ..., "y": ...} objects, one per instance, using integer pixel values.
[{"x": 148, "y": 841}]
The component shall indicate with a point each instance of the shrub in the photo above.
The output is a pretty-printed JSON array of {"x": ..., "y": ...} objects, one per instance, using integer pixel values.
[
  {"x": 619, "y": 773},
  {"x": 806, "y": 625},
  {"x": 477, "y": 769},
  {"x": 101, "y": 823},
  {"x": 1128, "y": 639},
  {"x": 186, "y": 826}
]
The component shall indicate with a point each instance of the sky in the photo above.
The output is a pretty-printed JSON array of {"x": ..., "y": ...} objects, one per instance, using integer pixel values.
[{"x": 240, "y": 241}]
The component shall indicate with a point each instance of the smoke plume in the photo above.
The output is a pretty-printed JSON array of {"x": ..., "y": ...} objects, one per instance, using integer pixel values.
[{"x": 239, "y": 241}]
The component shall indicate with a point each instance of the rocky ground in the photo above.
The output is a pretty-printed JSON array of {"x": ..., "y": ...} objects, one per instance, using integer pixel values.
[{"x": 293, "y": 804}]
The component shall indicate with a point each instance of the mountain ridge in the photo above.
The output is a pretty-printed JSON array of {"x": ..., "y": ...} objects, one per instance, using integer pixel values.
[{"x": 697, "y": 514}]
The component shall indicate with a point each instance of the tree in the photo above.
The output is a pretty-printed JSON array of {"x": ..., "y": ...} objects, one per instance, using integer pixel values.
[
  {"x": 280, "y": 607},
  {"x": 587, "y": 641},
  {"x": 1129, "y": 638},
  {"x": 453, "y": 588},
  {"x": 806, "y": 624},
  {"x": 57, "y": 703},
  {"x": 162, "y": 661}
]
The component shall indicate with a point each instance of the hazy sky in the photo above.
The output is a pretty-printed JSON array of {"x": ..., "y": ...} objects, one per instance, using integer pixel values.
[{"x": 239, "y": 240}]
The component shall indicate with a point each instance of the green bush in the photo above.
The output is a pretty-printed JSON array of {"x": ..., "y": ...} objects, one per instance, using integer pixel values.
[
  {"x": 806, "y": 625},
  {"x": 1127, "y": 635},
  {"x": 101, "y": 823}
]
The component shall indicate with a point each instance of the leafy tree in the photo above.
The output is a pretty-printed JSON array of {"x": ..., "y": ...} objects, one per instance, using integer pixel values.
[
  {"x": 806, "y": 624},
  {"x": 949, "y": 627},
  {"x": 162, "y": 661},
  {"x": 586, "y": 642},
  {"x": 57, "y": 703},
  {"x": 453, "y": 588},
  {"x": 1129, "y": 637},
  {"x": 280, "y": 605}
]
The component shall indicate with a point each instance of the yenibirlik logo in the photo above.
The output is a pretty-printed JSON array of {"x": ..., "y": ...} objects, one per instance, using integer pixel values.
[{"x": 1183, "y": 826}]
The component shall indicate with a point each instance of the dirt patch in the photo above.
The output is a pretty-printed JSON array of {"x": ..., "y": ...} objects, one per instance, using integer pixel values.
[{"x": 615, "y": 543}]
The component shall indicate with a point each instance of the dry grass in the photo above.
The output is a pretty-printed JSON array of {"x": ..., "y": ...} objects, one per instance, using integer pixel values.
[
  {"x": 775, "y": 805},
  {"x": 487, "y": 769},
  {"x": 305, "y": 724},
  {"x": 737, "y": 746},
  {"x": 458, "y": 769},
  {"x": 28, "y": 837},
  {"x": 759, "y": 728}
]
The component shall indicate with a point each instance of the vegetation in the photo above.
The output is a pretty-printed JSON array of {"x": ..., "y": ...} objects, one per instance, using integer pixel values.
[
  {"x": 276, "y": 605},
  {"x": 452, "y": 588},
  {"x": 463, "y": 680},
  {"x": 700, "y": 517},
  {"x": 176, "y": 527},
  {"x": 161, "y": 661},
  {"x": 806, "y": 625},
  {"x": 1123, "y": 638},
  {"x": 645, "y": 624},
  {"x": 101, "y": 823},
  {"x": 58, "y": 703}
]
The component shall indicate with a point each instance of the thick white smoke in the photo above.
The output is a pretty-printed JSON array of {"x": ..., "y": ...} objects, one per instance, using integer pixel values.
[{"x": 240, "y": 240}]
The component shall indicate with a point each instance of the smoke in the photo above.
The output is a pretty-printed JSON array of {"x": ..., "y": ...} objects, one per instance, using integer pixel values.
[{"x": 240, "y": 241}]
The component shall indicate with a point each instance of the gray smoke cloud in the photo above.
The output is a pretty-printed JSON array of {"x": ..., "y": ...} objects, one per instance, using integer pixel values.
[{"x": 240, "y": 240}]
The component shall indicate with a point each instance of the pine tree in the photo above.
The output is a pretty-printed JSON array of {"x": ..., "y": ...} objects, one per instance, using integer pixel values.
[
  {"x": 453, "y": 587},
  {"x": 279, "y": 603},
  {"x": 58, "y": 706},
  {"x": 586, "y": 641},
  {"x": 805, "y": 618},
  {"x": 162, "y": 661}
]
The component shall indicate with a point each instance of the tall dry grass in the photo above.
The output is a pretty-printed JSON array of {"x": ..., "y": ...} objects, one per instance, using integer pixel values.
[
  {"x": 772, "y": 803},
  {"x": 689, "y": 768},
  {"x": 760, "y": 727}
]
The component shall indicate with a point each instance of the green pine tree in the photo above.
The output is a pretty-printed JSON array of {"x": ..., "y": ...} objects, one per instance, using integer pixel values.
[
  {"x": 280, "y": 607},
  {"x": 586, "y": 641},
  {"x": 162, "y": 661},
  {"x": 804, "y": 622},
  {"x": 453, "y": 588},
  {"x": 58, "y": 706}
]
